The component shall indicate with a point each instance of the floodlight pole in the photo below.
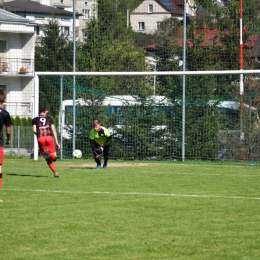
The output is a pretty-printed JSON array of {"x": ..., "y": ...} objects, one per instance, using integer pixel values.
[{"x": 242, "y": 135}]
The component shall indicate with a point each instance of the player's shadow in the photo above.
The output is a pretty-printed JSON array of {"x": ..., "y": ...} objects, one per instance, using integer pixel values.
[
  {"x": 26, "y": 175},
  {"x": 88, "y": 168}
]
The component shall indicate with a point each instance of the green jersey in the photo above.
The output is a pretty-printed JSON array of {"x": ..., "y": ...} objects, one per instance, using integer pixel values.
[{"x": 99, "y": 137}]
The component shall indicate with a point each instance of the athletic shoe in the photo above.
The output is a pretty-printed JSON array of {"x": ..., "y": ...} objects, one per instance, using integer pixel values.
[
  {"x": 98, "y": 167},
  {"x": 105, "y": 164},
  {"x": 47, "y": 155},
  {"x": 56, "y": 175}
]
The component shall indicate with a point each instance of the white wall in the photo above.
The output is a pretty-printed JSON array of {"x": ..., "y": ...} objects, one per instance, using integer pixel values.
[
  {"x": 20, "y": 91},
  {"x": 45, "y": 2}
]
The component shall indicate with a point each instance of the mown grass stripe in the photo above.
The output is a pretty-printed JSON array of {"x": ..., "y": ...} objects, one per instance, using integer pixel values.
[{"x": 136, "y": 193}]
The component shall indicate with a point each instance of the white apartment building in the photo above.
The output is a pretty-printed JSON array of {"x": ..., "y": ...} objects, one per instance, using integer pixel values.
[
  {"x": 17, "y": 40},
  {"x": 86, "y": 9}
]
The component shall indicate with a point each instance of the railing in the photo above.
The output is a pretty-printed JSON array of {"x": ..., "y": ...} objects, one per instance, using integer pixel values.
[
  {"x": 21, "y": 143},
  {"x": 16, "y": 67}
]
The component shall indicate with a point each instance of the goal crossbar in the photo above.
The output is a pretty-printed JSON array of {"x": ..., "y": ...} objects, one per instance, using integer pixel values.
[{"x": 148, "y": 73}]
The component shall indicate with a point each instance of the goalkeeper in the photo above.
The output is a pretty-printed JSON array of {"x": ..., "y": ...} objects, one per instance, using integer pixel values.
[{"x": 100, "y": 140}]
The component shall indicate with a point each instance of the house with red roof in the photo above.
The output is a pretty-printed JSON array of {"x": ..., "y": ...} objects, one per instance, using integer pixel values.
[
  {"x": 210, "y": 37},
  {"x": 255, "y": 52}
]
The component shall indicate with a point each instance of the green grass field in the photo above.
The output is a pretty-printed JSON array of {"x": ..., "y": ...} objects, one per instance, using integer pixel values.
[{"x": 129, "y": 211}]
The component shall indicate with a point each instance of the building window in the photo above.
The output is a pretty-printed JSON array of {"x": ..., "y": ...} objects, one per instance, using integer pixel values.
[
  {"x": 158, "y": 25},
  {"x": 65, "y": 30},
  {"x": 141, "y": 26},
  {"x": 150, "y": 9},
  {"x": 86, "y": 3},
  {"x": 37, "y": 29},
  {"x": 2, "y": 49},
  {"x": 86, "y": 13},
  {"x": 84, "y": 33},
  {"x": 77, "y": 31},
  {"x": 61, "y": 1}
]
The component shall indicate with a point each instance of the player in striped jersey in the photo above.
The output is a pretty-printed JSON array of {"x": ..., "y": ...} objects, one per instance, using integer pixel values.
[{"x": 44, "y": 128}]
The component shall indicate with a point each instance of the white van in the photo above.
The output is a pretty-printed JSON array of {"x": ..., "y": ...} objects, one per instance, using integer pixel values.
[{"x": 114, "y": 106}]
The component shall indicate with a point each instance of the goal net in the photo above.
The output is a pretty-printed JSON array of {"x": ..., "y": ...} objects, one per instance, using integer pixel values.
[{"x": 198, "y": 116}]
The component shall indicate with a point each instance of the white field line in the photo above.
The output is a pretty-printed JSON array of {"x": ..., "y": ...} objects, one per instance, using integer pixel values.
[
  {"x": 137, "y": 193},
  {"x": 207, "y": 174}
]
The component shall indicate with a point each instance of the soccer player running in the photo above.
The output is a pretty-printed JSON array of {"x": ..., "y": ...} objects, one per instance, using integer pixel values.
[
  {"x": 44, "y": 128},
  {"x": 100, "y": 139},
  {"x": 5, "y": 120}
]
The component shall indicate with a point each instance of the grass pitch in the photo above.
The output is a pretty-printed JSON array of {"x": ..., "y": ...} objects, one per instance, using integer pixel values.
[{"x": 129, "y": 211}]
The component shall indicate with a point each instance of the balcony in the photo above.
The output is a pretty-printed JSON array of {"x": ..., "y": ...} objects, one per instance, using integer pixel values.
[{"x": 16, "y": 67}]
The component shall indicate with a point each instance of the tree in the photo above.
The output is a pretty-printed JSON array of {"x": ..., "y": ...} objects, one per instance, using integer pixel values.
[
  {"x": 124, "y": 56},
  {"x": 54, "y": 52},
  {"x": 251, "y": 12},
  {"x": 108, "y": 47},
  {"x": 170, "y": 27}
]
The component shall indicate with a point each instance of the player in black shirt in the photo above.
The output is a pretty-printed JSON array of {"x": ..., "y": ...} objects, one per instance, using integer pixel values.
[
  {"x": 5, "y": 120},
  {"x": 44, "y": 128}
]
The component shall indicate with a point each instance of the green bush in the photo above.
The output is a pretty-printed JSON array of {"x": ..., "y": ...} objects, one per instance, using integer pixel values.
[{"x": 17, "y": 121}]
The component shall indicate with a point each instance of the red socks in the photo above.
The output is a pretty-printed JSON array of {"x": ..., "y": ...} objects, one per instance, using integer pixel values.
[{"x": 51, "y": 165}]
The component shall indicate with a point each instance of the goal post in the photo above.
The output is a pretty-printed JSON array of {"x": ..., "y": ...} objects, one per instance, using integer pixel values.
[
  {"x": 35, "y": 113},
  {"x": 38, "y": 76}
]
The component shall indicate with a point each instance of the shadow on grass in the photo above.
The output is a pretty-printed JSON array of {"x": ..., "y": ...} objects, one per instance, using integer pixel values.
[
  {"x": 80, "y": 168},
  {"x": 26, "y": 175}
]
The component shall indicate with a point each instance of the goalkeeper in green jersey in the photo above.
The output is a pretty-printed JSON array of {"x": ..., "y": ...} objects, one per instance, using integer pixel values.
[{"x": 100, "y": 140}]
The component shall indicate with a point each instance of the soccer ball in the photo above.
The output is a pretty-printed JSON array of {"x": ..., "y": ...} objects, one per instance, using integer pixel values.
[{"x": 77, "y": 153}]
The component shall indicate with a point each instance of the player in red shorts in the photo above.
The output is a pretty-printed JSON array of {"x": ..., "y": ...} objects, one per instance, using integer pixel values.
[
  {"x": 4, "y": 120},
  {"x": 44, "y": 128}
]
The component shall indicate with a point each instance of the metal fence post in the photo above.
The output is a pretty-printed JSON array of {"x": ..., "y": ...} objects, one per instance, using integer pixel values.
[
  {"x": 18, "y": 140},
  {"x": 12, "y": 139}
]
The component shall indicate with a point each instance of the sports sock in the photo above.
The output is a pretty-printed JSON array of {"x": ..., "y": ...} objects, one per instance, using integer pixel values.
[
  {"x": 51, "y": 165},
  {"x": 0, "y": 181}
]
